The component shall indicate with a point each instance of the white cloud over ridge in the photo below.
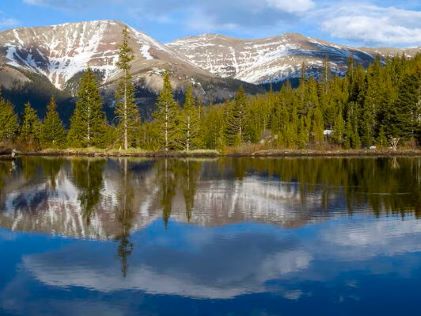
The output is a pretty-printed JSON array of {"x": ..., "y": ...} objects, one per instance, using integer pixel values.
[
  {"x": 292, "y": 6},
  {"x": 375, "y": 25},
  {"x": 370, "y": 22},
  {"x": 6, "y": 22}
]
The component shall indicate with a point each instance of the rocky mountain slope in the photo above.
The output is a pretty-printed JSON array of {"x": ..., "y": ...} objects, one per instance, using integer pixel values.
[
  {"x": 271, "y": 59},
  {"x": 61, "y": 52},
  {"x": 38, "y": 62}
]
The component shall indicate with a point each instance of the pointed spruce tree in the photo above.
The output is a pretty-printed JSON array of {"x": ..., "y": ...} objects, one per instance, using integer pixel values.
[
  {"x": 317, "y": 126},
  {"x": 190, "y": 122},
  {"x": 30, "y": 131},
  {"x": 126, "y": 110},
  {"x": 166, "y": 117},
  {"x": 8, "y": 122},
  {"x": 405, "y": 118},
  {"x": 87, "y": 126},
  {"x": 53, "y": 134},
  {"x": 236, "y": 119}
]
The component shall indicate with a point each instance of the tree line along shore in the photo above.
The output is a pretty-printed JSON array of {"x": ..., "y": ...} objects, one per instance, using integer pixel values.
[{"x": 368, "y": 111}]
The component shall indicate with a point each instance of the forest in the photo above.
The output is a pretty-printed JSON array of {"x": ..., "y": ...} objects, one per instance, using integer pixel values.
[{"x": 368, "y": 108}]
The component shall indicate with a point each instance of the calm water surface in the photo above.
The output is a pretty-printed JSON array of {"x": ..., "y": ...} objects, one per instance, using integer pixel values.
[{"x": 210, "y": 237}]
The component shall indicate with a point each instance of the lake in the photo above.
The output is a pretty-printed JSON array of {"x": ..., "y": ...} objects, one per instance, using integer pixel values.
[{"x": 229, "y": 236}]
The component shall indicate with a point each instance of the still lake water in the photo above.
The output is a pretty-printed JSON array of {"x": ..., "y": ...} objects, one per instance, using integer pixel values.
[{"x": 210, "y": 237}]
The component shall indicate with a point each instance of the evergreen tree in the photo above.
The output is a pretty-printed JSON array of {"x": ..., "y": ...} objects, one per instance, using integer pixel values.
[
  {"x": 236, "y": 118},
  {"x": 88, "y": 124},
  {"x": 406, "y": 115},
  {"x": 8, "y": 122},
  {"x": 318, "y": 126},
  {"x": 53, "y": 134},
  {"x": 303, "y": 134},
  {"x": 166, "y": 116},
  {"x": 190, "y": 122},
  {"x": 382, "y": 140},
  {"x": 338, "y": 128},
  {"x": 126, "y": 110},
  {"x": 372, "y": 103},
  {"x": 352, "y": 137},
  {"x": 30, "y": 131}
]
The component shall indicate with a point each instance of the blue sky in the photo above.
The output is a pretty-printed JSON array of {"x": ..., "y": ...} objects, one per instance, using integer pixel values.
[{"x": 358, "y": 23}]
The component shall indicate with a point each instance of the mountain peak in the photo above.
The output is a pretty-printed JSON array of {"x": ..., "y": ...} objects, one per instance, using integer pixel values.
[
  {"x": 265, "y": 60},
  {"x": 61, "y": 51}
]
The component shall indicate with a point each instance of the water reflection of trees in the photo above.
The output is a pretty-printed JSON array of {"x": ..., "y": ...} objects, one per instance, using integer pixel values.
[
  {"x": 125, "y": 216},
  {"x": 6, "y": 169},
  {"x": 88, "y": 177},
  {"x": 172, "y": 174},
  {"x": 39, "y": 168},
  {"x": 380, "y": 186},
  {"x": 386, "y": 185}
]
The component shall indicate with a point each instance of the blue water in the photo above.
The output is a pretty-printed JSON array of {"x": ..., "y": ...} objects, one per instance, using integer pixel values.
[{"x": 252, "y": 244}]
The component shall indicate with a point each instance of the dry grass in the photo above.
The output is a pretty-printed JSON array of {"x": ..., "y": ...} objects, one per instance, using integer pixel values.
[
  {"x": 132, "y": 152},
  {"x": 254, "y": 150}
]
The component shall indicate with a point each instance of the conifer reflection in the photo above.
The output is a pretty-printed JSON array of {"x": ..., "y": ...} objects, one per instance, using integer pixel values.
[
  {"x": 190, "y": 173},
  {"x": 125, "y": 216},
  {"x": 88, "y": 177},
  {"x": 385, "y": 185},
  {"x": 51, "y": 169},
  {"x": 177, "y": 176}
]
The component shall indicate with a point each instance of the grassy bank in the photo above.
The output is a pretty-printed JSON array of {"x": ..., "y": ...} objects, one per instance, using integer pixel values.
[
  {"x": 342, "y": 152},
  {"x": 245, "y": 151},
  {"x": 97, "y": 152}
]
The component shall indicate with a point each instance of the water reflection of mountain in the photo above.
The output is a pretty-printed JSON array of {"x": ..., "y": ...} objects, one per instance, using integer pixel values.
[{"x": 108, "y": 199}]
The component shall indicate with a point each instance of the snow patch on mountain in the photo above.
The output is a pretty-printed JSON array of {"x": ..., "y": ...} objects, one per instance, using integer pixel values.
[
  {"x": 61, "y": 51},
  {"x": 264, "y": 60}
]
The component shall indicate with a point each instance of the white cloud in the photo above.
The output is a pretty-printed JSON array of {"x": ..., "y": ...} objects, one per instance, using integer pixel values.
[
  {"x": 66, "y": 4},
  {"x": 364, "y": 22},
  {"x": 194, "y": 274},
  {"x": 374, "y": 25},
  {"x": 289, "y": 6},
  {"x": 6, "y": 22}
]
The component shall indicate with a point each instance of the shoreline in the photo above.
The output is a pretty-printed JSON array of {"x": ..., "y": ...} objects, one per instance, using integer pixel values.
[{"x": 271, "y": 153}]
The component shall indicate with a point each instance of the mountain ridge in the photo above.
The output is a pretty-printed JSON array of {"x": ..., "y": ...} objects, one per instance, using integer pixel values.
[
  {"x": 215, "y": 65},
  {"x": 272, "y": 59}
]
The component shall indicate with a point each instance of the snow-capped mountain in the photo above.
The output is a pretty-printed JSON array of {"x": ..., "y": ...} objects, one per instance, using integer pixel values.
[
  {"x": 270, "y": 59},
  {"x": 216, "y": 65},
  {"x": 60, "y": 52}
]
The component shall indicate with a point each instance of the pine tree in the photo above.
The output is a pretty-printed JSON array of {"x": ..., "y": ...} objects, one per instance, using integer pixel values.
[
  {"x": 236, "y": 118},
  {"x": 381, "y": 139},
  {"x": 338, "y": 128},
  {"x": 30, "y": 131},
  {"x": 303, "y": 133},
  {"x": 53, "y": 134},
  {"x": 190, "y": 122},
  {"x": 8, "y": 122},
  {"x": 406, "y": 114},
  {"x": 352, "y": 137},
  {"x": 348, "y": 131},
  {"x": 372, "y": 103},
  {"x": 317, "y": 126},
  {"x": 126, "y": 110},
  {"x": 88, "y": 124},
  {"x": 166, "y": 116}
]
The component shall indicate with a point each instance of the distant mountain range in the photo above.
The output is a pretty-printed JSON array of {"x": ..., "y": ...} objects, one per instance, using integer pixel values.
[{"x": 52, "y": 58}]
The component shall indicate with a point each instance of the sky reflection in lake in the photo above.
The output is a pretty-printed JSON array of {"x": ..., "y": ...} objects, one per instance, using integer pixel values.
[{"x": 228, "y": 236}]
